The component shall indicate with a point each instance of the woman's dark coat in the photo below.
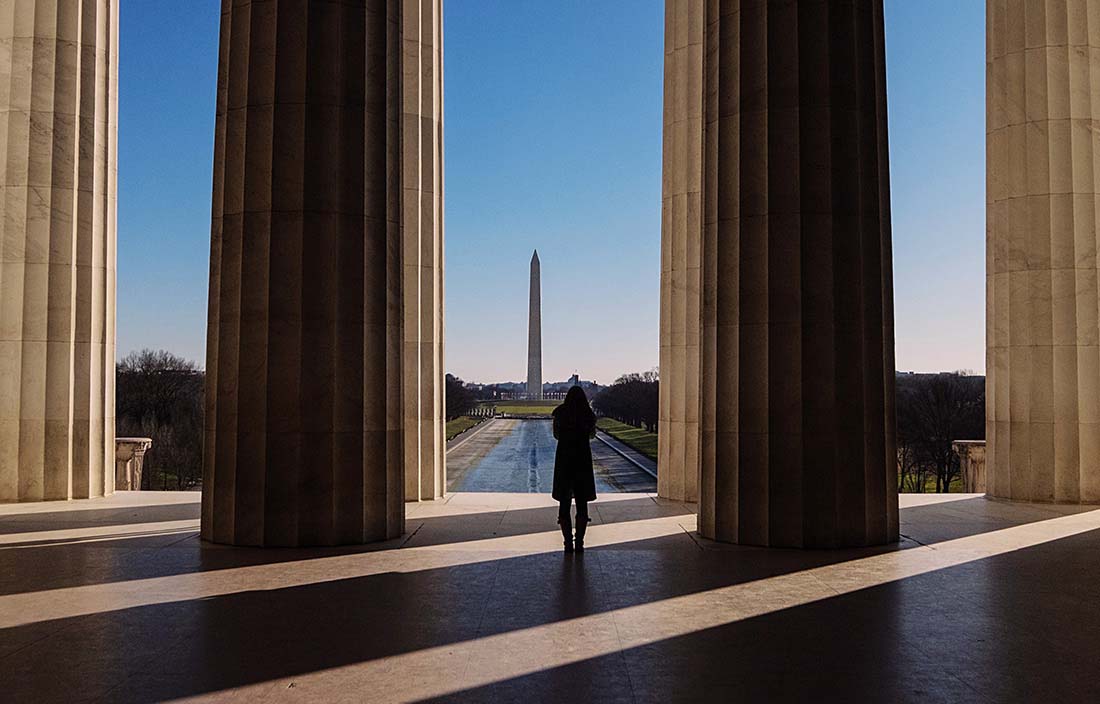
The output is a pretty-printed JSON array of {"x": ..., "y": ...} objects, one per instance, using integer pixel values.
[{"x": 573, "y": 477}]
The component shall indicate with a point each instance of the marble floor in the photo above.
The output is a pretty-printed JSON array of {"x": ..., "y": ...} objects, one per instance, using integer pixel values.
[{"x": 116, "y": 600}]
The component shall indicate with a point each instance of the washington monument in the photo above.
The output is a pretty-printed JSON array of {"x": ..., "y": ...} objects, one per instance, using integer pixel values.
[{"x": 534, "y": 333}]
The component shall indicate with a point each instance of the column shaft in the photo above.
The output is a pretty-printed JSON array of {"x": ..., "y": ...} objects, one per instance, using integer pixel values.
[
  {"x": 304, "y": 410},
  {"x": 678, "y": 428},
  {"x": 422, "y": 237},
  {"x": 797, "y": 353},
  {"x": 1042, "y": 302},
  {"x": 58, "y": 176}
]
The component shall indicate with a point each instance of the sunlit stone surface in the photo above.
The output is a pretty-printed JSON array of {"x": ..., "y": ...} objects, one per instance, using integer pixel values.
[
  {"x": 1042, "y": 300},
  {"x": 422, "y": 241},
  {"x": 58, "y": 178},
  {"x": 478, "y": 604},
  {"x": 681, "y": 242},
  {"x": 129, "y": 462},
  {"x": 972, "y": 466}
]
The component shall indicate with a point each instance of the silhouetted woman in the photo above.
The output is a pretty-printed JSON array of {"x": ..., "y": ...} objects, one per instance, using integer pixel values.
[{"x": 574, "y": 427}]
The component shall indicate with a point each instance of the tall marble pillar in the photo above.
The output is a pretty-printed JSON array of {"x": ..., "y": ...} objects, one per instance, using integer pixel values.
[
  {"x": 422, "y": 237},
  {"x": 534, "y": 331},
  {"x": 304, "y": 419},
  {"x": 1042, "y": 303},
  {"x": 678, "y": 430},
  {"x": 797, "y": 312},
  {"x": 58, "y": 174}
]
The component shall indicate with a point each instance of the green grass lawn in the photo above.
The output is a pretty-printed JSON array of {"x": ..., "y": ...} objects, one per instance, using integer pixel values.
[
  {"x": 528, "y": 410},
  {"x": 461, "y": 424},
  {"x": 524, "y": 408},
  {"x": 641, "y": 440},
  {"x": 955, "y": 487}
]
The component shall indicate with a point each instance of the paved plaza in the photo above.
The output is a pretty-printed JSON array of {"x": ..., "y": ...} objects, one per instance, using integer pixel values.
[{"x": 117, "y": 600}]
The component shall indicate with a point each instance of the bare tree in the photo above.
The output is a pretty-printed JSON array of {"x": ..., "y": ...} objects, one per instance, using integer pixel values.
[
  {"x": 459, "y": 398},
  {"x": 933, "y": 411},
  {"x": 912, "y": 472},
  {"x": 160, "y": 395},
  {"x": 632, "y": 399}
]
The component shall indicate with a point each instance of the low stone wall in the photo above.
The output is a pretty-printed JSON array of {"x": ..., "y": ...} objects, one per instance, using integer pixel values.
[
  {"x": 972, "y": 464},
  {"x": 129, "y": 458}
]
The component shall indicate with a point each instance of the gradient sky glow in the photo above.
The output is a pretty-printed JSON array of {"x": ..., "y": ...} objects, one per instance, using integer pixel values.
[{"x": 553, "y": 141}]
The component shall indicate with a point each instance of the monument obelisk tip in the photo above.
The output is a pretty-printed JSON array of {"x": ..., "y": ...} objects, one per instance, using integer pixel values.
[{"x": 534, "y": 332}]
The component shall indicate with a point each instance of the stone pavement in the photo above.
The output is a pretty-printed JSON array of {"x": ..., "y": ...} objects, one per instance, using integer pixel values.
[{"x": 116, "y": 600}]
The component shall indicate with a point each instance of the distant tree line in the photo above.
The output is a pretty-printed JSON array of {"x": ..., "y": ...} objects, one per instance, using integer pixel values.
[
  {"x": 459, "y": 399},
  {"x": 492, "y": 392},
  {"x": 160, "y": 396},
  {"x": 933, "y": 411},
  {"x": 633, "y": 399}
]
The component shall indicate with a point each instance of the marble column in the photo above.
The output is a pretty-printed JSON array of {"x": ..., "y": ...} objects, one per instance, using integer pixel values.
[
  {"x": 1042, "y": 304},
  {"x": 304, "y": 418},
  {"x": 58, "y": 175},
  {"x": 422, "y": 236},
  {"x": 678, "y": 430},
  {"x": 797, "y": 346}
]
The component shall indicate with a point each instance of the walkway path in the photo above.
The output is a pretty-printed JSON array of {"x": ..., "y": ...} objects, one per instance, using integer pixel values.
[
  {"x": 518, "y": 456},
  {"x": 636, "y": 458}
]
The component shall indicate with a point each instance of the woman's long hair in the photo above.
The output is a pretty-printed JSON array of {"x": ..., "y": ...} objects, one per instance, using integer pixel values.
[{"x": 574, "y": 412}]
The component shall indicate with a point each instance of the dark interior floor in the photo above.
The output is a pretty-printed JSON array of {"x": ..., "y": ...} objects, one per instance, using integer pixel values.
[{"x": 116, "y": 600}]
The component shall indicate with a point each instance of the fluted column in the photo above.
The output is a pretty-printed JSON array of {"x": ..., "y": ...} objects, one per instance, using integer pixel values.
[
  {"x": 304, "y": 364},
  {"x": 58, "y": 174},
  {"x": 1042, "y": 305},
  {"x": 422, "y": 225},
  {"x": 797, "y": 353},
  {"x": 678, "y": 428}
]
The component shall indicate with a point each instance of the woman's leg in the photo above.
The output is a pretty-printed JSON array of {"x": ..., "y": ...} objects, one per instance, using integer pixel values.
[
  {"x": 565, "y": 523},
  {"x": 582, "y": 521}
]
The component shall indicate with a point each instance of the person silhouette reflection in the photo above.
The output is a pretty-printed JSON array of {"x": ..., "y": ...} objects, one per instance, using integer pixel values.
[{"x": 574, "y": 427}]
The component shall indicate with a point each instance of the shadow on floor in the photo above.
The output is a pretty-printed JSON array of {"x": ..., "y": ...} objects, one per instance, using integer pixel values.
[
  {"x": 39, "y": 565},
  {"x": 1005, "y": 627},
  {"x": 1017, "y": 627},
  {"x": 96, "y": 517}
]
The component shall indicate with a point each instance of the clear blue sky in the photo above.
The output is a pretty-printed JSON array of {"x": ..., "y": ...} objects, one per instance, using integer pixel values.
[{"x": 553, "y": 141}]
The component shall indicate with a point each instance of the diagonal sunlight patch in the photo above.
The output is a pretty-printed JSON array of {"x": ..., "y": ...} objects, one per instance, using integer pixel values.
[
  {"x": 118, "y": 501},
  {"x": 461, "y": 666},
  {"x": 69, "y": 536},
  {"x": 67, "y": 602}
]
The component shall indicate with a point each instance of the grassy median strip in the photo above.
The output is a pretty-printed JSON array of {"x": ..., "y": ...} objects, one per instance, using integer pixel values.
[
  {"x": 641, "y": 440},
  {"x": 527, "y": 410},
  {"x": 522, "y": 408},
  {"x": 460, "y": 425}
]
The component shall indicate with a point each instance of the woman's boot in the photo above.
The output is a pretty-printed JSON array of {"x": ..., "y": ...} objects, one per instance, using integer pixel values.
[
  {"x": 582, "y": 524},
  {"x": 566, "y": 530}
]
